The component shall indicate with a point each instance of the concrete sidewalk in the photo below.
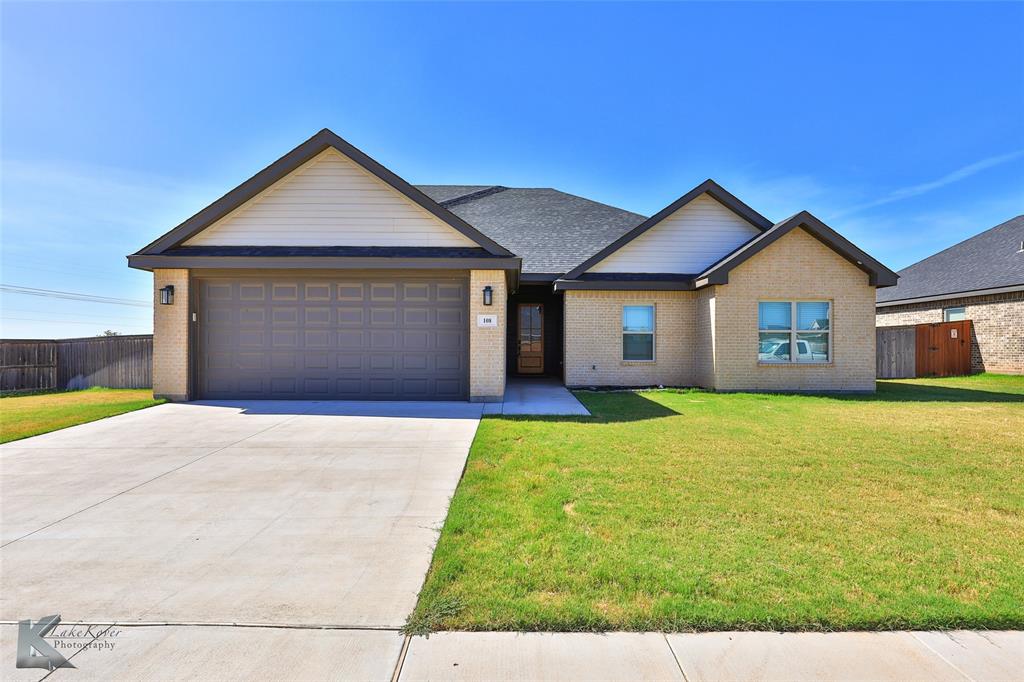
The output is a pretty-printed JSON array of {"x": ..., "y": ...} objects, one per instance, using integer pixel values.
[
  {"x": 716, "y": 656},
  {"x": 203, "y": 652}
]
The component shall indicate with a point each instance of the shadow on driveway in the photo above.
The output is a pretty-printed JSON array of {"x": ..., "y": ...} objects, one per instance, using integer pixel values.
[{"x": 352, "y": 408}]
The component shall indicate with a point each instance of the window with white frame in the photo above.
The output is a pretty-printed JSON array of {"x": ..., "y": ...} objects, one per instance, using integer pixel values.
[
  {"x": 638, "y": 333},
  {"x": 957, "y": 314},
  {"x": 794, "y": 331}
]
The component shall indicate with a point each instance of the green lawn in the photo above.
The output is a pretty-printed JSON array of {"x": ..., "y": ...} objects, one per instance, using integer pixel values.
[
  {"x": 679, "y": 510},
  {"x": 30, "y": 415}
]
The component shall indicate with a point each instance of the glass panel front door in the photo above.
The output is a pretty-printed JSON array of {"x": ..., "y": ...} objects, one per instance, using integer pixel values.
[{"x": 531, "y": 339}]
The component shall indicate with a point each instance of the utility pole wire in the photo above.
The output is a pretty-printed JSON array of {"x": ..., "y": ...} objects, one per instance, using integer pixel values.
[{"x": 73, "y": 296}]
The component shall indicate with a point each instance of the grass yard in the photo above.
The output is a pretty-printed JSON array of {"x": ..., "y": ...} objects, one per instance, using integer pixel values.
[
  {"x": 30, "y": 415},
  {"x": 680, "y": 510}
]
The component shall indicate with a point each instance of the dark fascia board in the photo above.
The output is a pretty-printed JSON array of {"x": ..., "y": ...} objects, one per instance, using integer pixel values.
[
  {"x": 289, "y": 162},
  {"x": 878, "y": 274},
  {"x": 539, "y": 277},
  {"x": 930, "y": 298},
  {"x": 623, "y": 285},
  {"x": 150, "y": 262},
  {"x": 709, "y": 187}
]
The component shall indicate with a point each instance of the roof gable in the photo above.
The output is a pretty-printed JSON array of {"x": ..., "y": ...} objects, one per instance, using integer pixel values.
[
  {"x": 878, "y": 274},
  {"x": 327, "y": 201},
  {"x": 293, "y": 161},
  {"x": 686, "y": 242},
  {"x": 710, "y": 188}
]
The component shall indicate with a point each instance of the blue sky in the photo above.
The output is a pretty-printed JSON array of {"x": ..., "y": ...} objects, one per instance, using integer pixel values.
[{"x": 898, "y": 124}]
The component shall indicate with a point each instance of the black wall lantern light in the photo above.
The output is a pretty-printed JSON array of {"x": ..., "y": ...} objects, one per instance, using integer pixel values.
[
  {"x": 167, "y": 295},
  {"x": 488, "y": 296}
]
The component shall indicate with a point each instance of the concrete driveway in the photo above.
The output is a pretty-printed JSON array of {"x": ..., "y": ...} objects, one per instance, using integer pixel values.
[{"x": 283, "y": 513}]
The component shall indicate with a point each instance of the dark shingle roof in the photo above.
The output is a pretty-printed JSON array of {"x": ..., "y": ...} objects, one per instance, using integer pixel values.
[
  {"x": 443, "y": 193},
  {"x": 986, "y": 261},
  {"x": 551, "y": 230}
]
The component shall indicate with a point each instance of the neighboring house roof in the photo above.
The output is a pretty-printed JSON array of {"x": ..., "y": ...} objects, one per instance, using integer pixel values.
[
  {"x": 990, "y": 260},
  {"x": 709, "y": 187},
  {"x": 878, "y": 274},
  {"x": 323, "y": 140},
  {"x": 551, "y": 230}
]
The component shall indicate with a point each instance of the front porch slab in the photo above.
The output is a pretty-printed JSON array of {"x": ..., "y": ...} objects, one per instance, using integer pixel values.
[{"x": 539, "y": 396}]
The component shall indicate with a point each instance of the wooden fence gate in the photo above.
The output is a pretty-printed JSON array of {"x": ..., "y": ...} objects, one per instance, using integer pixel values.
[{"x": 943, "y": 349}]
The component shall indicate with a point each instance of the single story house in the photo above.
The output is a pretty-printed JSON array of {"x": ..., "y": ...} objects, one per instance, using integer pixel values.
[
  {"x": 980, "y": 279},
  {"x": 326, "y": 275}
]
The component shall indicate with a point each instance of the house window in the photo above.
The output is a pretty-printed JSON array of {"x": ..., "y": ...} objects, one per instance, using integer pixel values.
[
  {"x": 954, "y": 314},
  {"x": 794, "y": 331},
  {"x": 638, "y": 333}
]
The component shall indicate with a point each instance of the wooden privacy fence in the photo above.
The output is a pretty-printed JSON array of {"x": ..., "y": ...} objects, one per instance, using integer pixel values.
[
  {"x": 69, "y": 364},
  {"x": 941, "y": 349},
  {"x": 895, "y": 352}
]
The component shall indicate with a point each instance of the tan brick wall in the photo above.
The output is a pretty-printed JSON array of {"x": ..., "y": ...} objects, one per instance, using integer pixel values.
[
  {"x": 797, "y": 266},
  {"x": 704, "y": 349},
  {"x": 998, "y": 327},
  {"x": 170, "y": 336},
  {"x": 593, "y": 339},
  {"x": 487, "y": 344}
]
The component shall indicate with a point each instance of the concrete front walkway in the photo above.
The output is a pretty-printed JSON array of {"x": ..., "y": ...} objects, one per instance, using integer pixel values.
[
  {"x": 285, "y": 513},
  {"x": 537, "y": 396}
]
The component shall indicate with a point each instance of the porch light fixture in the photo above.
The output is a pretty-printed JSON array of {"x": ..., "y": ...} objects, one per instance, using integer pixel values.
[
  {"x": 167, "y": 295},
  {"x": 488, "y": 296}
]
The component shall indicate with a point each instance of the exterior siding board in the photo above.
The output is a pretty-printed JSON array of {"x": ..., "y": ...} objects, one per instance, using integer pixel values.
[
  {"x": 328, "y": 201},
  {"x": 687, "y": 242}
]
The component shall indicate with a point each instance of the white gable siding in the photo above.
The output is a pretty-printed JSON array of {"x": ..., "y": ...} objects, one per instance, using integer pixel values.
[
  {"x": 686, "y": 242},
  {"x": 330, "y": 201}
]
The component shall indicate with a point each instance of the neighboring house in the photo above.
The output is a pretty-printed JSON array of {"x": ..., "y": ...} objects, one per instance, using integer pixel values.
[
  {"x": 326, "y": 275},
  {"x": 980, "y": 279}
]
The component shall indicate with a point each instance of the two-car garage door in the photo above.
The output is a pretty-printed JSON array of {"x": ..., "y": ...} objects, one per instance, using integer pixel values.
[{"x": 322, "y": 338}]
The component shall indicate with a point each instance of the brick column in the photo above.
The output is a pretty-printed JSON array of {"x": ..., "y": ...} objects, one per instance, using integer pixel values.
[
  {"x": 487, "y": 344},
  {"x": 170, "y": 336}
]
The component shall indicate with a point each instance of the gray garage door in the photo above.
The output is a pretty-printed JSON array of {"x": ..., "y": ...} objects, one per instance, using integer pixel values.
[{"x": 287, "y": 338}]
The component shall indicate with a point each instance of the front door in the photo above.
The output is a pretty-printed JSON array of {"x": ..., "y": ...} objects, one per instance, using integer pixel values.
[{"x": 531, "y": 339}]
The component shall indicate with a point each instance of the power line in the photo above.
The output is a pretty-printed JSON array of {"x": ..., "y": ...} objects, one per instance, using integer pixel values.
[
  {"x": 77, "y": 316},
  {"x": 73, "y": 296},
  {"x": 95, "y": 274},
  {"x": 90, "y": 324}
]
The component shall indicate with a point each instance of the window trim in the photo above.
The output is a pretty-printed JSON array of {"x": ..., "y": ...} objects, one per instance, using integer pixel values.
[
  {"x": 794, "y": 332},
  {"x": 945, "y": 316},
  {"x": 653, "y": 332}
]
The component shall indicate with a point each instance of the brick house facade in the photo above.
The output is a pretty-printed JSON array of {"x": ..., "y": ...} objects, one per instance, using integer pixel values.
[{"x": 327, "y": 276}]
